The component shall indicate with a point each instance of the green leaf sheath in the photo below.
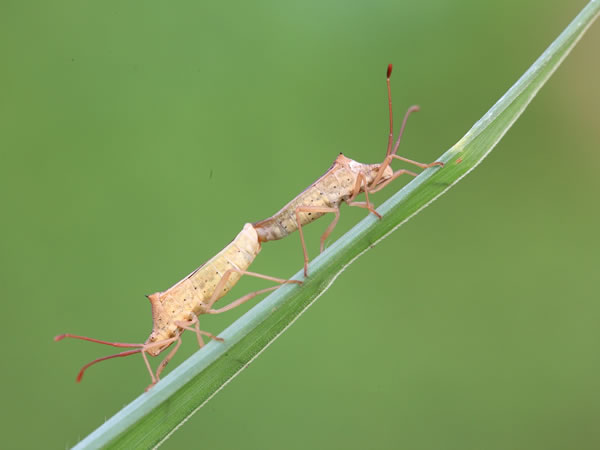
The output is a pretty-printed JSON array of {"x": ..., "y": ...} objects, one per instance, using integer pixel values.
[{"x": 154, "y": 416}]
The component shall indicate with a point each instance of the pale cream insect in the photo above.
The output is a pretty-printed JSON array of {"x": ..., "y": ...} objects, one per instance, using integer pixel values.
[
  {"x": 344, "y": 180},
  {"x": 177, "y": 308}
]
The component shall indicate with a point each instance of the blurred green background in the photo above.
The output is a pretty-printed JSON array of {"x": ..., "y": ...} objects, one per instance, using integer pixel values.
[{"x": 137, "y": 138}]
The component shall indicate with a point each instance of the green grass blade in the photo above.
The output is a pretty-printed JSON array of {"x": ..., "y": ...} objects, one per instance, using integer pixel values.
[{"x": 153, "y": 416}]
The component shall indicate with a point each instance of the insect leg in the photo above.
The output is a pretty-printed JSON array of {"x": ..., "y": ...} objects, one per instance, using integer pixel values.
[
  {"x": 197, "y": 330},
  {"x": 418, "y": 164},
  {"x": 361, "y": 180},
  {"x": 392, "y": 178},
  {"x": 149, "y": 370},
  {"x": 321, "y": 209},
  {"x": 247, "y": 297},
  {"x": 386, "y": 162},
  {"x": 165, "y": 361},
  {"x": 241, "y": 300},
  {"x": 145, "y": 348},
  {"x": 267, "y": 277}
]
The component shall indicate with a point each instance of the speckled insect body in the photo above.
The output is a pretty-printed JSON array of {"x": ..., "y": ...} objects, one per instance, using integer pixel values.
[
  {"x": 344, "y": 180},
  {"x": 196, "y": 293},
  {"x": 176, "y": 309},
  {"x": 329, "y": 191}
]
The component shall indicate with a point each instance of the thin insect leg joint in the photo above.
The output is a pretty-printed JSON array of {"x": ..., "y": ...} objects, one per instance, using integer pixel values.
[
  {"x": 196, "y": 329},
  {"x": 317, "y": 209},
  {"x": 227, "y": 274}
]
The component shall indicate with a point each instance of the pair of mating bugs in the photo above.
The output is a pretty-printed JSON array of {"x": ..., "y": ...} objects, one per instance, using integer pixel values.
[{"x": 177, "y": 309}]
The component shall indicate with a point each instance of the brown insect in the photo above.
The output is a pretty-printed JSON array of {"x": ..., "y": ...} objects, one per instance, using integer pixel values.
[
  {"x": 176, "y": 309},
  {"x": 344, "y": 180}
]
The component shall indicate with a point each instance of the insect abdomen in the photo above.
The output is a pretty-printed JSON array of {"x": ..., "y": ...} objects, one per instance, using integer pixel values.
[
  {"x": 285, "y": 221},
  {"x": 191, "y": 293},
  {"x": 239, "y": 254}
]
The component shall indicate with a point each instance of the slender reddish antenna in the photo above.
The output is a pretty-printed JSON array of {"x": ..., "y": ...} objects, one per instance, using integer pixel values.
[
  {"x": 127, "y": 353},
  {"x": 391, "y": 138},
  {"x": 409, "y": 111},
  {"x": 60, "y": 337}
]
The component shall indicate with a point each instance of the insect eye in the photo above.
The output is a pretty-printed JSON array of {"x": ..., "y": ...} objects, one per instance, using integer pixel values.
[{"x": 152, "y": 338}]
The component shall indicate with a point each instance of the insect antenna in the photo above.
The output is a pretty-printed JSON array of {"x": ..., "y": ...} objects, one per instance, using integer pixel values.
[
  {"x": 391, "y": 137},
  {"x": 410, "y": 110},
  {"x": 60, "y": 337},
  {"x": 118, "y": 355}
]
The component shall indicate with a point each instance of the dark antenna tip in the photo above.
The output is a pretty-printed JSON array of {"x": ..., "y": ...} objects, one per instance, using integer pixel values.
[{"x": 389, "y": 71}]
